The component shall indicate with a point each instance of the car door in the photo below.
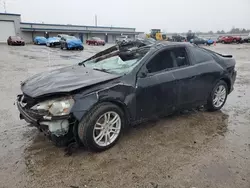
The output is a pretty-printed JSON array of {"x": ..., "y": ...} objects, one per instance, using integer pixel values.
[
  {"x": 156, "y": 90},
  {"x": 185, "y": 76}
]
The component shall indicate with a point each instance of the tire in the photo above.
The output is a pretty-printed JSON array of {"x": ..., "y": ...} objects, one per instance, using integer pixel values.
[
  {"x": 80, "y": 48},
  {"x": 86, "y": 130},
  {"x": 234, "y": 41},
  {"x": 223, "y": 42},
  {"x": 66, "y": 46},
  {"x": 210, "y": 102}
]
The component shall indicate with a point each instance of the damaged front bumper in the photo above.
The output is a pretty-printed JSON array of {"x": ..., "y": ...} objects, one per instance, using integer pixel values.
[{"x": 50, "y": 125}]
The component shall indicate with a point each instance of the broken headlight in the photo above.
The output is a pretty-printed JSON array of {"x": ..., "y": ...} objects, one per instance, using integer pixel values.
[{"x": 56, "y": 107}]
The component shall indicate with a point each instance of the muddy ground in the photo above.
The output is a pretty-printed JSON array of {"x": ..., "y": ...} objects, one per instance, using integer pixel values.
[{"x": 193, "y": 149}]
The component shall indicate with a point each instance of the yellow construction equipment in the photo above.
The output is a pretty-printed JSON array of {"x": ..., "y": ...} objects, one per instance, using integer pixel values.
[{"x": 156, "y": 34}]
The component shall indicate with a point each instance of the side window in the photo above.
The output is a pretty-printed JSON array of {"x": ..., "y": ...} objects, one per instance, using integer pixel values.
[
  {"x": 201, "y": 56},
  {"x": 161, "y": 61},
  {"x": 180, "y": 56}
]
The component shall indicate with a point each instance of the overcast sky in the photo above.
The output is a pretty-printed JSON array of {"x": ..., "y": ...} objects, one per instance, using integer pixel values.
[{"x": 168, "y": 15}]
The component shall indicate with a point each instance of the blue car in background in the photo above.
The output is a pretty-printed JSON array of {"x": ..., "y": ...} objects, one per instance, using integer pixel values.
[
  {"x": 53, "y": 41},
  {"x": 199, "y": 41},
  {"x": 40, "y": 40},
  {"x": 71, "y": 43},
  {"x": 210, "y": 41}
]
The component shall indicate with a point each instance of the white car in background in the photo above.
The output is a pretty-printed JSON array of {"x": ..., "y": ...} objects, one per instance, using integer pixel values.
[
  {"x": 53, "y": 41},
  {"x": 123, "y": 38}
]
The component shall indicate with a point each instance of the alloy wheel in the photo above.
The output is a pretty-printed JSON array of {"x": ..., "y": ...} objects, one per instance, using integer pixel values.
[
  {"x": 107, "y": 129},
  {"x": 219, "y": 96}
]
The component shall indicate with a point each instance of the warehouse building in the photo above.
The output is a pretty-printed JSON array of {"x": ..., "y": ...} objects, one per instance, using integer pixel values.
[{"x": 11, "y": 25}]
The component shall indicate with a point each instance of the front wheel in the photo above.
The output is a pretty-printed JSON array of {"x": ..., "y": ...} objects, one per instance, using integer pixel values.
[
  {"x": 66, "y": 46},
  {"x": 102, "y": 127},
  {"x": 218, "y": 96}
]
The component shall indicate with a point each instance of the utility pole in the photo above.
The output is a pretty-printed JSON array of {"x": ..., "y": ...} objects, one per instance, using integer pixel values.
[
  {"x": 4, "y": 6},
  {"x": 95, "y": 20}
]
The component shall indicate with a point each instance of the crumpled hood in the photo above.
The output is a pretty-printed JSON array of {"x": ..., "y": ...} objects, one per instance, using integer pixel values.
[{"x": 63, "y": 80}]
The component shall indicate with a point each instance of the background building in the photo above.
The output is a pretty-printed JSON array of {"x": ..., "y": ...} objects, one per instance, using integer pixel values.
[{"x": 11, "y": 25}]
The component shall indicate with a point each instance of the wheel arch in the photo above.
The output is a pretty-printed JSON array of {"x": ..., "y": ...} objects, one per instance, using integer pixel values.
[
  {"x": 85, "y": 105},
  {"x": 228, "y": 82},
  {"x": 121, "y": 105}
]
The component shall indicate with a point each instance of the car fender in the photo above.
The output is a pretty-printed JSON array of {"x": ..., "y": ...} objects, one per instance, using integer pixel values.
[
  {"x": 223, "y": 76},
  {"x": 119, "y": 94}
]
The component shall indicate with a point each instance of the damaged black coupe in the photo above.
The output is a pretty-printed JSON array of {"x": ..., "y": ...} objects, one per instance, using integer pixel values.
[{"x": 92, "y": 103}]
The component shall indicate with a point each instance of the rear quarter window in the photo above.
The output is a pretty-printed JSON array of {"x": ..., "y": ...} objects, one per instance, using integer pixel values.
[{"x": 201, "y": 56}]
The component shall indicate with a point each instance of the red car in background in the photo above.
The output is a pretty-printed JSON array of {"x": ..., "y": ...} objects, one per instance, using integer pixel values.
[
  {"x": 95, "y": 41},
  {"x": 15, "y": 40},
  {"x": 230, "y": 39}
]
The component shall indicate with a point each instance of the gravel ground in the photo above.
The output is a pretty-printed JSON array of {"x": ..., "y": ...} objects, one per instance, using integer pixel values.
[{"x": 192, "y": 149}]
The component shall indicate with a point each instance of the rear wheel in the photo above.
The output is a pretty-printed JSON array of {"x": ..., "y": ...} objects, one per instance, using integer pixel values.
[
  {"x": 102, "y": 127},
  {"x": 218, "y": 96}
]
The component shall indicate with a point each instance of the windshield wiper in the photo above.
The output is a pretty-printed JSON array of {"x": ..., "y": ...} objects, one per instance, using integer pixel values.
[
  {"x": 81, "y": 63},
  {"x": 102, "y": 70}
]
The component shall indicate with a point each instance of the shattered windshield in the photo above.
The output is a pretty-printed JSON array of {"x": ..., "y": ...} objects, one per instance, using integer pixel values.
[
  {"x": 113, "y": 65},
  {"x": 119, "y": 59}
]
